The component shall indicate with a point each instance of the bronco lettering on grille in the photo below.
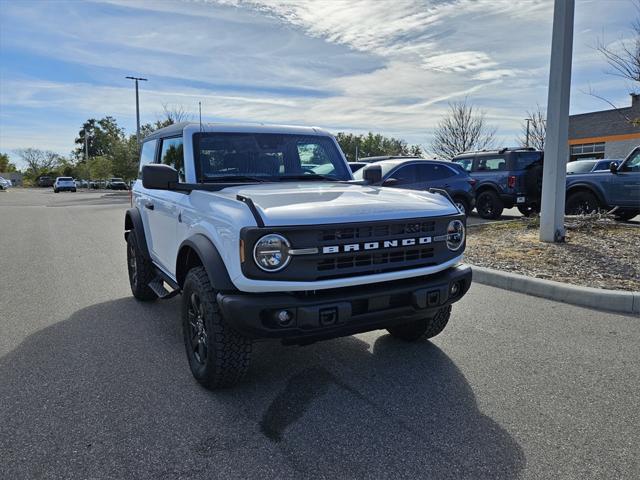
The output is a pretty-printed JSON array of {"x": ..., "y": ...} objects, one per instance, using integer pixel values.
[{"x": 357, "y": 247}]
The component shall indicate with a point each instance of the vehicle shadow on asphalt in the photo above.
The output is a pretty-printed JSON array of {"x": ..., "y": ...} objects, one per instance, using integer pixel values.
[{"x": 108, "y": 393}]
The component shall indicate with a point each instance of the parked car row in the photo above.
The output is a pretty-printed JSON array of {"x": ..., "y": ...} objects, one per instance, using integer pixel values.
[
  {"x": 60, "y": 184},
  {"x": 492, "y": 180}
]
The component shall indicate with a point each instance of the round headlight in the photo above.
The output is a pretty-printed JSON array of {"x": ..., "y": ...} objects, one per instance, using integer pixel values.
[
  {"x": 271, "y": 253},
  {"x": 455, "y": 235}
]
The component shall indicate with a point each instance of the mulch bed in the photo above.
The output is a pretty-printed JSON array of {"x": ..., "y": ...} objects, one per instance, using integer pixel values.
[{"x": 598, "y": 251}]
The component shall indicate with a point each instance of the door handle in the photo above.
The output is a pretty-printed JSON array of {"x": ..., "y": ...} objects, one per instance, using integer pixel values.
[{"x": 148, "y": 205}]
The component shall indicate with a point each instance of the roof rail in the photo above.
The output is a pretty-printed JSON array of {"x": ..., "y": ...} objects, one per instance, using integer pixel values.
[{"x": 499, "y": 150}]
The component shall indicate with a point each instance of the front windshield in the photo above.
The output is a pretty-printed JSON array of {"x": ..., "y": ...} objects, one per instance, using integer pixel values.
[
  {"x": 267, "y": 156},
  {"x": 580, "y": 167}
]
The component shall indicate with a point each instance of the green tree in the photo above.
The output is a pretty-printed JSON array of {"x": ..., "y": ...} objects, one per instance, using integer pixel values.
[
  {"x": 67, "y": 167},
  {"x": 372, "y": 145},
  {"x": 6, "y": 165},
  {"x": 100, "y": 167},
  {"x": 102, "y": 136},
  {"x": 124, "y": 158}
]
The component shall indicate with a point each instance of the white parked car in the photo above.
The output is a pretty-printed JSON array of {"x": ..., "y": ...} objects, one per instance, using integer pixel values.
[
  {"x": 64, "y": 183},
  {"x": 4, "y": 183}
]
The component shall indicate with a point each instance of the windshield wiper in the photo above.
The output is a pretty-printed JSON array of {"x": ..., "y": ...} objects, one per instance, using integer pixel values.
[{"x": 237, "y": 178}]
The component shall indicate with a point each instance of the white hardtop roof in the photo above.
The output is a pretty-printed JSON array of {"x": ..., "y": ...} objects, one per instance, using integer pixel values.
[{"x": 194, "y": 127}]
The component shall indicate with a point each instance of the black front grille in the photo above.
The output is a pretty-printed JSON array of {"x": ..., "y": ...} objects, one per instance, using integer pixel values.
[
  {"x": 325, "y": 266},
  {"x": 379, "y": 258},
  {"x": 365, "y": 232}
]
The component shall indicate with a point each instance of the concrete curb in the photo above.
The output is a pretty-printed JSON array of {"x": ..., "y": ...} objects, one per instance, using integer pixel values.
[{"x": 596, "y": 298}]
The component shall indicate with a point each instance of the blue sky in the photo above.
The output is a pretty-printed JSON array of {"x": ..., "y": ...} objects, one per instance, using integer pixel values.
[{"x": 389, "y": 67}]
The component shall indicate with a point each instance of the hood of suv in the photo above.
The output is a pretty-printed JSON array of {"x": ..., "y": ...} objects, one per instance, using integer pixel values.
[{"x": 309, "y": 203}]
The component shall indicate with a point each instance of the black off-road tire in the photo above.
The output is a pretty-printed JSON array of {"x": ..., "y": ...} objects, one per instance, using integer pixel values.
[
  {"x": 140, "y": 270},
  {"x": 219, "y": 356},
  {"x": 581, "y": 203},
  {"x": 489, "y": 205},
  {"x": 427, "y": 327}
]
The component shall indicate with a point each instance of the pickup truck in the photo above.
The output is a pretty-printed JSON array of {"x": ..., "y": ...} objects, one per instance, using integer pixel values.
[
  {"x": 616, "y": 190},
  {"x": 265, "y": 234}
]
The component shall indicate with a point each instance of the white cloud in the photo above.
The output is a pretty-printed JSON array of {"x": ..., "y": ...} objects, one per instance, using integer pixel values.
[{"x": 374, "y": 65}]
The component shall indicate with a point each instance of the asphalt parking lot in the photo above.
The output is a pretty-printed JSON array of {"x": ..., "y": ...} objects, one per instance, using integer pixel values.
[{"x": 94, "y": 384}]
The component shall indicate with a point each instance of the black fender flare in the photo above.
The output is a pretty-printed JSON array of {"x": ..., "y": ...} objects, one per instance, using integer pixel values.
[
  {"x": 133, "y": 223},
  {"x": 210, "y": 259},
  {"x": 487, "y": 186}
]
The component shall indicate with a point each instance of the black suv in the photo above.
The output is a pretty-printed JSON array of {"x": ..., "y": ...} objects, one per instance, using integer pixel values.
[{"x": 505, "y": 178}]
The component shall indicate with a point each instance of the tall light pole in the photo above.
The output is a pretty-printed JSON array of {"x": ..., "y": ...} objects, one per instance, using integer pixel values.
[
  {"x": 137, "y": 106},
  {"x": 528, "y": 120},
  {"x": 556, "y": 147}
]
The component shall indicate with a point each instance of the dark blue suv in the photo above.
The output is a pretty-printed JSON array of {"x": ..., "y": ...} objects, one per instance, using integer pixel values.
[
  {"x": 505, "y": 178},
  {"x": 419, "y": 174},
  {"x": 617, "y": 189}
]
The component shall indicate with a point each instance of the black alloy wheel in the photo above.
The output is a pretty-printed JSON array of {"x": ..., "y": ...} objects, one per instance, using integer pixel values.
[
  {"x": 489, "y": 205},
  {"x": 197, "y": 329}
]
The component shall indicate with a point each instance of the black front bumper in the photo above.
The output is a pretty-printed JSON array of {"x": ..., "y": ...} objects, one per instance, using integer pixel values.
[{"x": 342, "y": 311}]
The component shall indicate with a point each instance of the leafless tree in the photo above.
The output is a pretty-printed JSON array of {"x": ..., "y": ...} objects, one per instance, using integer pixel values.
[
  {"x": 537, "y": 129},
  {"x": 623, "y": 58},
  {"x": 38, "y": 161},
  {"x": 172, "y": 114},
  {"x": 463, "y": 129}
]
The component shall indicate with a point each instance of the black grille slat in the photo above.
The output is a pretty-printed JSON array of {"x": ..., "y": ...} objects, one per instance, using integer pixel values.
[{"x": 368, "y": 259}]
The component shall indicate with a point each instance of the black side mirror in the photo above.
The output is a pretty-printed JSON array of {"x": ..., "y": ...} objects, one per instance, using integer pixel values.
[
  {"x": 613, "y": 167},
  {"x": 157, "y": 176},
  {"x": 372, "y": 174}
]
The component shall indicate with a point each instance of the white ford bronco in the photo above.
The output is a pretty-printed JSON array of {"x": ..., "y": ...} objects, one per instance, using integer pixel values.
[{"x": 264, "y": 232}]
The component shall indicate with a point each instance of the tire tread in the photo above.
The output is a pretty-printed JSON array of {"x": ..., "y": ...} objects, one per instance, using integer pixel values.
[{"x": 231, "y": 349}]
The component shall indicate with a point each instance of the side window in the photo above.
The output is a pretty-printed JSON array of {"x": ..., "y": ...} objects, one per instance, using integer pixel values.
[
  {"x": 524, "y": 160},
  {"x": 633, "y": 164},
  {"x": 172, "y": 155},
  {"x": 405, "y": 175},
  {"x": 465, "y": 163},
  {"x": 147, "y": 154},
  {"x": 491, "y": 164},
  {"x": 427, "y": 173}
]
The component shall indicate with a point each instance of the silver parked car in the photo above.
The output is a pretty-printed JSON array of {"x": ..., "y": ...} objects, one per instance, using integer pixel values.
[{"x": 64, "y": 183}]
